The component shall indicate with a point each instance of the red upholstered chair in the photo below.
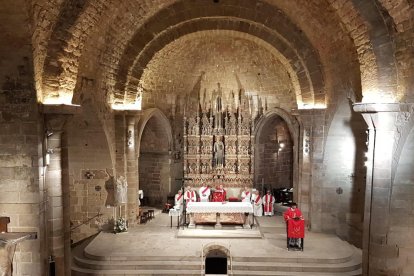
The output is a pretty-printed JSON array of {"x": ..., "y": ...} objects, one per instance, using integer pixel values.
[{"x": 234, "y": 199}]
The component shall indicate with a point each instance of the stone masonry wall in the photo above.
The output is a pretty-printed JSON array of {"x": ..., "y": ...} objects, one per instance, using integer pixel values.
[
  {"x": 274, "y": 167},
  {"x": 22, "y": 196},
  {"x": 196, "y": 63},
  {"x": 154, "y": 177},
  {"x": 22, "y": 188},
  {"x": 89, "y": 165},
  {"x": 154, "y": 164},
  {"x": 401, "y": 225},
  {"x": 343, "y": 184}
]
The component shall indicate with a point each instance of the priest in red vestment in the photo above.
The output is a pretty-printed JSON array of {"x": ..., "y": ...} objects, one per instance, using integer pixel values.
[
  {"x": 219, "y": 194},
  {"x": 295, "y": 226}
]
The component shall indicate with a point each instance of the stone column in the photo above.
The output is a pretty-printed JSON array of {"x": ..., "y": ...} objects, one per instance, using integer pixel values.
[
  {"x": 127, "y": 158},
  {"x": 310, "y": 160},
  {"x": 57, "y": 185},
  {"x": 377, "y": 251},
  {"x": 132, "y": 155}
]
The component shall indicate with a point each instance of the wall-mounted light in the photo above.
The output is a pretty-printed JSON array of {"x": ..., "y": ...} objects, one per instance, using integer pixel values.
[
  {"x": 281, "y": 146},
  {"x": 47, "y": 156},
  {"x": 130, "y": 137},
  {"x": 48, "y": 133},
  {"x": 306, "y": 142}
]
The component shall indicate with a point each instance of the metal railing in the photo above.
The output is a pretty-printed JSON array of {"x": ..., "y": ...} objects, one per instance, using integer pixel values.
[{"x": 86, "y": 221}]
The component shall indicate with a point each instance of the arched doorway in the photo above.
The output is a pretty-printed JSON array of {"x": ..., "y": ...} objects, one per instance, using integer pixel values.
[
  {"x": 154, "y": 157},
  {"x": 274, "y": 155},
  {"x": 216, "y": 257}
]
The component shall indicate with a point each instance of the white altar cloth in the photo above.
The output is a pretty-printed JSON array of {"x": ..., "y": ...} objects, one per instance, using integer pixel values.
[{"x": 219, "y": 207}]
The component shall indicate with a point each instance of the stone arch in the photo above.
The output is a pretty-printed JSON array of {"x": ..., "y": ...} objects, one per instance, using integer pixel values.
[
  {"x": 405, "y": 126},
  {"x": 402, "y": 208},
  {"x": 305, "y": 82},
  {"x": 154, "y": 113},
  {"x": 57, "y": 64},
  {"x": 154, "y": 142},
  {"x": 294, "y": 131},
  {"x": 217, "y": 251},
  {"x": 252, "y": 20}
]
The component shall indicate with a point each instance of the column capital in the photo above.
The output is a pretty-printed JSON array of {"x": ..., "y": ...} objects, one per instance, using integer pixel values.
[
  {"x": 383, "y": 107},
  {"x": 56, "y": 115},
  {"x": 384, "y": 116}
]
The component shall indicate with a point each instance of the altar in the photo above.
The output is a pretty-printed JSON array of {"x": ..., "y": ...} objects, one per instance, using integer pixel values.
[{"x": 218, "y": 209}]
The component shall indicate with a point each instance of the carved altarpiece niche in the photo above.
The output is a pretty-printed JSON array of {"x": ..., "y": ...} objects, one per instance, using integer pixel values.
[{"x": 218, "y": 140}]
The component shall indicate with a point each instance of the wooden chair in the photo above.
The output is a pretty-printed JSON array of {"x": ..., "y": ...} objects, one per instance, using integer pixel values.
[
  {"x": 151, "y": 214},
  {"x": 142, "y": 218},
  {"x": 3, "y": 224}
]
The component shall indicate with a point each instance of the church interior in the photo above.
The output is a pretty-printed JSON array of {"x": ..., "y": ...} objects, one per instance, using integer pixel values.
[{"x": 314, "y": 97}]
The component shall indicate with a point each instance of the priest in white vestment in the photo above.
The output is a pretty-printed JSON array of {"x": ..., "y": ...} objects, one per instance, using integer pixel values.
[
  {"x": 257, "y": 204},
  {"x": 246, "y": 195},
  {"x": 268, "y": 201},
  {"x": 204, "y": 193},
  {"x": 178, "y": 200},
  {"x": 190, "y": 195}
]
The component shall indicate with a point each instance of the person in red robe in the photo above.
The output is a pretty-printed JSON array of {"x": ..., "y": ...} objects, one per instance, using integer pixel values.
[
  {"x": 219, "y": 194},
  {"x": 295, "y": 226}
]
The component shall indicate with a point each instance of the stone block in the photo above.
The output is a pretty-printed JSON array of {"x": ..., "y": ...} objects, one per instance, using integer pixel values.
[
  {"x": 28, "y": 221},
  {"x": 9, "y": 197},
  {"x": 19, "y": 209},
  {"x": 7, "y": 173},
  {"x": 28, "y": 197},
  {"x": 28, "y": 269}
]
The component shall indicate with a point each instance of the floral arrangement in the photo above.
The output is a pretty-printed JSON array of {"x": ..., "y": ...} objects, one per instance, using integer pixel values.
[{"x": 120, "y": 225}]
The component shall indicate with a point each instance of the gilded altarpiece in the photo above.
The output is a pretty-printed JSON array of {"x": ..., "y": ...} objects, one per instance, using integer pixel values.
[{"x": 218, "y": 141}]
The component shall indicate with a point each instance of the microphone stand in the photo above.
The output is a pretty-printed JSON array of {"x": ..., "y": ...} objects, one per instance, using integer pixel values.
[
  {"x": 184, "y": 206},
  {"x": 253, "y": 224}
]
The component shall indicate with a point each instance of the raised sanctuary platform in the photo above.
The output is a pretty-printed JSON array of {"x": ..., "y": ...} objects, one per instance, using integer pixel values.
[{"x": 155, "y": 249}]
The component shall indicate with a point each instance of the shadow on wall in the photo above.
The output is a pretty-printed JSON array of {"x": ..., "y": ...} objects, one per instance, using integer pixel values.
[{"x": 351, "y": 209}]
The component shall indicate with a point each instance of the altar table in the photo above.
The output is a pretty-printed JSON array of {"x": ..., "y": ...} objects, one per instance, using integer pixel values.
[{"x": 220, "y": 208}]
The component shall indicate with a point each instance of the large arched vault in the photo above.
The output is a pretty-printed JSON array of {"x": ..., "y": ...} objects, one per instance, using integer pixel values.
[{"x": 122, "y": 37}]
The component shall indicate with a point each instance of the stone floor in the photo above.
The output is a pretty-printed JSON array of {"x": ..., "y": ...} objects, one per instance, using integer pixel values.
[{"x": 156, "y": 238}]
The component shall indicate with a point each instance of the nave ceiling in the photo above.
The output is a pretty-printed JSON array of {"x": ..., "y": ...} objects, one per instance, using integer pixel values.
[{"x": 112, "y": 44}]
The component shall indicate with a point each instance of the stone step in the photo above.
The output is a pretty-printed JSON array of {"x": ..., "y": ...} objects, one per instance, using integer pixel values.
[
  {"x": 193, "y": 265},
  {"x": 141, "y": 258},
  {"x": 297, "y": 267},
  {"x": 235, "y": 258},
  {"x": 137, "y": 265},
  {"x": 293, "y": 260},
  {"x": 77, "y": 271},
  {"x": 357, "y": 272},
  {"x": 238, "y": 259}
]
